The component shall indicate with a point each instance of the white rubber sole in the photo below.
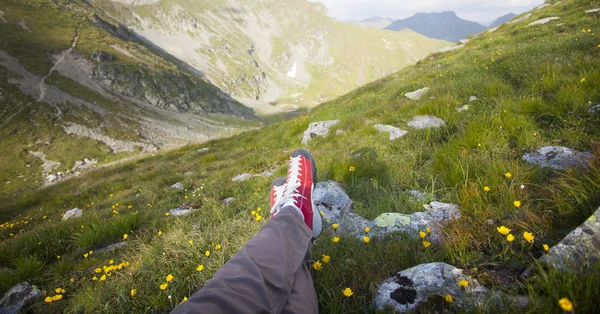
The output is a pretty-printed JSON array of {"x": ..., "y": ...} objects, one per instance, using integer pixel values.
[{"x": 317, "y": 218}]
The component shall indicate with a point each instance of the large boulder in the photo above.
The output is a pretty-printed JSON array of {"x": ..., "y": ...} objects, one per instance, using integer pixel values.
[
  {"x": 318, "y": 129},
  {"x": 580, "y": 249},
  {"x": 560, "y": 158},
  {"x": 19, "y": 296},
  {"x": 422, "y": 285},
  {"x": 425, "y": 122},
  {"x": 416, "y": 95},
  {"x": 71, "y": 214},
  {"x": 394, "y": 131}
]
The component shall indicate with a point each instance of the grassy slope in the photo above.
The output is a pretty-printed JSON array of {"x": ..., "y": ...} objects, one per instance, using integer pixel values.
[{"x": 531, "y": 94}]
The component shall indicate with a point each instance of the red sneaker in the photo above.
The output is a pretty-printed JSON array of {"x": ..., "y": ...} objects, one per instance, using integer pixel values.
[
  {"x": 277, "y": 190},
  {"x": 298, "y": 190}
]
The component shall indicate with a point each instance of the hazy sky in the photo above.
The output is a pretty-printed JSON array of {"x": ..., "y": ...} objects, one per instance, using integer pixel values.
[{"x": 474, "y": 10}]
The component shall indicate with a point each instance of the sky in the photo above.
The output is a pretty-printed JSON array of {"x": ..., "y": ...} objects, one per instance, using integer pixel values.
[{"x": 483, "y": 11}]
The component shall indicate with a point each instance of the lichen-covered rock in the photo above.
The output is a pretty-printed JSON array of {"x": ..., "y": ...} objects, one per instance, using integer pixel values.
[
  {"x": 318, "y": 129},
  {"x": 416, "y": 95},
  {"x": 71, "y": 214},
  {"x": 580, "y": 249},
  {"x": 17, "y": 297},
  {"x": 413, "y": 287},
  {"x": 331, "y": 199},
  {"x": 560, "y": 158},
  {"x": 424, "y": 122},
  {"x": 394, "y": 131},
  {"x": 177, "y": 186}
]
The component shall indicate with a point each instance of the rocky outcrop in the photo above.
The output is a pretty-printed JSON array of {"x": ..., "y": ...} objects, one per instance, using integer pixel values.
[
  {"x": 416, "y": 95},
  {"x": 102, "y": 56},
  {"x": 543, "y": 21},
  {"x": 580, "y": 249},
  {"x": 560, "y": 158},
  {"x": 394, "y": 131},
  {"x": 318, "y": 129},
  {"x": 425, "y": 122},
  {"x": 19, "y": 296}
]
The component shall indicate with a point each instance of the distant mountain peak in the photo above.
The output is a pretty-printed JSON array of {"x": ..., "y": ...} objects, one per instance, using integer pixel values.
[{"x": 444, "y": 25}]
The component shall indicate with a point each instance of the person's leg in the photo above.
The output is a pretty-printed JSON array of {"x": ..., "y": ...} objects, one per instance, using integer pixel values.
[
  {"x": 303, "y": 298},
  {"x": 263, "y": 274}
]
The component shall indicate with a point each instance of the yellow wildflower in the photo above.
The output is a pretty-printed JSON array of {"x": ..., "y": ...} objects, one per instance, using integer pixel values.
[
  {"x": 132, "y": 292},
  {"x": 317, "y": 265},
  {"x": 258, "y": 217},
  {"x": 335, "y": 226},
  {"x": 335, "y": 239},
  {"x": 582, "y": 80},
  {"x": 191, "y": 241},
  {"x": 367, "y": 229},
  {"x": 95, "y": 278},
  {"x": 103, "y": 278},
  {"x": 426, "y": 244},
  {"x": 528, "y": 236},
  {"x": 125, "y": 236},
  {"x": 428, "y": 230},
  {"x": 169, "y": 278},
  {"x": 448, "y": 298},
  {"x": 422, "y": 234},
  {"x": 326, "y": 259},
  {"x": 85, "y": 255},
  {"x": 546, "y": 247},
  {"x": 352, "y": 168},
  {"x": 200, "y": 268},
  {"x": 167, "y": 214},
  {"x": 503, "y": 230},
  {"x": 164, "y": 286},
  {"x": 517, "y": 204},
  {"x": 217, "y": 247},
  {"x": 48, "y": 300},
  {"x": 57, "y": 297},
  {"x": 366, "y": 240},
  {"x": 347, "y": 292},
  {"x": 510, "y": 237},
  {"x": 486, "y": 189},
  {"x": 97, "y": 270},
  {"x": 463, "y": 283},
  {"x": 159, "y": 233},
  {"x": 322, "y": 213},
  {"x": 508, "y": 175},
  {"x": 57, "y": 290},
  {"x": 207, "y": 253},
  {"x": 253, "y": 212},
  {"x": 565, "y": 304},
  {"x": 111, "y": 262},
  {"x": 184, "y": 299}
]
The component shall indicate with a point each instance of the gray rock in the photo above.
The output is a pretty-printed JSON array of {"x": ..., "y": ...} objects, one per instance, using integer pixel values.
[
  {"x": 110, "y": 247},
  {"x": 424, "y": 122},
  {"x": 394, "y": 131},
  {"x": 228, "y": 200},
  {"x": 593, "y": 10},
  {"x": 594, "y": 109},
  {"x": 463, "y": 108},
  {"x": 102, "y": 56},
  {"x": 520, "y": 19},
  {"x": 331, "y": 199},
  {"x": 245, "y": 176},
  {"x": 182, "y": 211},
  {"x": 418, "y": 195},
  {"x": 19, "y": 296},
  {"x": 416, "y": 95},
  {"x": 560, "y": 158},
  {"x": 202, "y": 150},
  {"x": 177, "y": 186},
  {"x": 318, "y": 129},
  {"x": 73, "y": 213},
  {"x": 51, "y": 178},
  {"x": 580, "y": 249},
  {"x": 543, "y": 21},
  {"x": 472, "y": 98},
  {"x": 412, "y": 287}
]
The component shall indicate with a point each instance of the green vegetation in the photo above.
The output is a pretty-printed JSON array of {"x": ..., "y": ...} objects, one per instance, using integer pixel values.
[{"x": 531, "y": 89}]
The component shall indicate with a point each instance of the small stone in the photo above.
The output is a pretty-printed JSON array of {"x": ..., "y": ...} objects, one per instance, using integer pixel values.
[
  {"x": 201, "y": 150},
  {"x": 423, "y": 122},
  {"x": 19, "y": 296},
  {"x": 394, "y": 131},
  {"x": 182, "y": 211},
  {"x": 560, "y": 158},
  {"x": 228, "y": 201},
  {"x": 318, "y": 129},
  {"x": 416, "y": 95},
  {"x": 594, "y": 109},
  {"x": 593, "y": 10},
  {"x": 543, "y": 21},
  {"x": 51, "y": 178},
  {"x": 473, "y": 98},
  {"x": 73, "y": 213},
  {"x": 463, "y": 108},
  {"x": 177, "y": 186}
]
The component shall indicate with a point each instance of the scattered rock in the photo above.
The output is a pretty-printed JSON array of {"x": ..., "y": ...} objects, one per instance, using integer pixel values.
[
  {"x": 201, "y": 150},
  {"x": 560, "y": 158},
  {"x": 73, "y": 213},
  {"x": 394, "y": 131},
  {"x": 579, "y": 249},
  {"x": 182, "y": 211},
  {"x": 472, "y": 98},
  {"x": 414, "y": 287},
  {"x": 19, "y": 296},
  {"x": 336, "y": 206},
  {"x": 423, "y": 122},
  {"x": 177, "y": 186},
  {"x": 22, "y": 25},
  {"x": 594, "y": 109},
  {"x": 520, "y": 19},
  {"x": 84, "y": 164},
  {"x": 228, "y": 200},
  {"x": 48, "y": 165},
  {"x": 51, "y": 178},
  {"x": 593, "y": 10},
  {"x": 110, "y": 247},
  {"x": 543, "y": 21},
  {"x": 491, "y": 30},
  {"x": 318, "y": 129},
  {"x": 245, "y": 176},
  {"x": 463, "y": 108},
  {"x": 450, "y": 48},
  {"x": 416, "y": 95},
  {"x": 102, "y": 56}
]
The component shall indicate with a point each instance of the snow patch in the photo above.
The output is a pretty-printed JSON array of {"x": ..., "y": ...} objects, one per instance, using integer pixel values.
[{"x": 292, "y": 73}]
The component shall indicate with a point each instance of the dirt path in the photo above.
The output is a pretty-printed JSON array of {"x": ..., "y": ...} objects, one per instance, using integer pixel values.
[{"x": 56, "y": 64}]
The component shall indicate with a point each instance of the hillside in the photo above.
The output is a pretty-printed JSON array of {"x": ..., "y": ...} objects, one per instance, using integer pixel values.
[
  {"x": 78, "y": 91},
  {"x": 445, "y": 25},
  {"x": 503, "y": 19},
  {"x": 504, "y": 95},
  {"x": 273, "y": 56}
]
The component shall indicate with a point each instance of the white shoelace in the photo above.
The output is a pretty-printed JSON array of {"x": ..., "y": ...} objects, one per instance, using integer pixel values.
[{"x": 289, "y": 192}]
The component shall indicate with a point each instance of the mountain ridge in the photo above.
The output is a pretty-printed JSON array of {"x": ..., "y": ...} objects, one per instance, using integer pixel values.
[{"x": 444, "y": 25}]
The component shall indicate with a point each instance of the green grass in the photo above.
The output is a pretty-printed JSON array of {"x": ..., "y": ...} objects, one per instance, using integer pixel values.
[{"x": 530, "y": 96}]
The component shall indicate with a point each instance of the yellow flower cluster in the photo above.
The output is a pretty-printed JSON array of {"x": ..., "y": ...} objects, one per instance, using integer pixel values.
[
  {"x": 256, "y": 214},
  {"x": 59, "y": 295},
  {"x": 422, "y": 235}
]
